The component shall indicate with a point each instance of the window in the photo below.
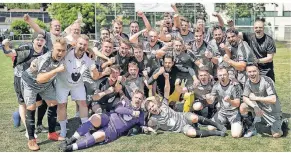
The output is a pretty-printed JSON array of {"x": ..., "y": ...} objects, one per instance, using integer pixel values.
[
  {"x": 287, "y": 13},
  {"x": 271, "y": 13}
]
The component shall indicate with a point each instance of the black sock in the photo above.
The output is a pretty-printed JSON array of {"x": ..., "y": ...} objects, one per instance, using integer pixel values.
[
  {"x": 41, "y": 112},
  {"x": 205, "y": 133},
  {"x": 52, "y": 118},
  {"x": 206, "y": 121},
  {"x": 30, "y": 123}
]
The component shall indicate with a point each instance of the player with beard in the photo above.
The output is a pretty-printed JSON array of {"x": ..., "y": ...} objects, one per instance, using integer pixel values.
[
  {"x": 200, "y": 23},
  {"x": 109, "y": 127},
  {"x": 143, "y": 62},
  {"x": 228, "y": 96},
  {"x": 175, "y": 72},
  {"x": 134, "y": 81},
  {"x": 106, "y": 92},
  {"x": 38, "y": 79},
  {"x": 154, "y": 48},
  {"x": 165, "y": 118},
  {"x": 260, "y": 96},
  {"x": 55, "y": 30},
  {"x": 197, "y": 52},
  {"x": 118, "y": 35},
  {"x": 216, "y": 48},
  {"x": 200, "y": 106},
  {"x": 122, "y": 58},
  {"x": 24, "y": 55},
  {"x": 71, "y": 81},
  {"x": 241, "y": 53},
  {"x": 134, "y": 25},
  {"x": 263, "y": 46}
]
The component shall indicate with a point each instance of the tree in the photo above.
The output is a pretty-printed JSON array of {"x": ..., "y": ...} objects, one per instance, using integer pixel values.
[
  {"x": 19, "y": 27},
  {"x": 41, "y": 24},
  {"x": 244, "y": 9},
  {"x": 22, "y": 5},
  {"x": 67, "y": 13}
]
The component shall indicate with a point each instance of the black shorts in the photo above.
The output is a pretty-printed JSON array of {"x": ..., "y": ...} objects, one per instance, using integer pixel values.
[{"x": 17, "y": 89}]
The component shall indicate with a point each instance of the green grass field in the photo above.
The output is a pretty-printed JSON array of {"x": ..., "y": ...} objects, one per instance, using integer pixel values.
[{"x": 13, "y": 139}]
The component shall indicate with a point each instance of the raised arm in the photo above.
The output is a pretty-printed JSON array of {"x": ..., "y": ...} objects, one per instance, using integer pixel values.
[
  {"x": 32, "y": 24},
  {"x": 145, "y": 20}
]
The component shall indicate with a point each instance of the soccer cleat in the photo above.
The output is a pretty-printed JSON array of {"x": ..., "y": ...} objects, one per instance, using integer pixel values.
[
  {"x": 65, "y": 148},
  {"x": 16, "y": 119},
  {"x": 251, "y": 132},
  {"x": 41, "y": 129},
  {"x": 32, "y": 145},
  {"x": 54, "y": 136}
]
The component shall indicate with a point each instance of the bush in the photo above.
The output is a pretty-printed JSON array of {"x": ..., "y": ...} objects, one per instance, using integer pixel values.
[{"x": 19, "y": 27}]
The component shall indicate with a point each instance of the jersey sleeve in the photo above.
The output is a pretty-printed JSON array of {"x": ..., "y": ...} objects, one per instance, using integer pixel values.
[
  {"x": 270, "y": 88},
  {"x": 271, "y": 47},
  {"x": 247, "y": 90},
  {"x": 214, "y": 90},
  {"x": 236, "y": 92}
]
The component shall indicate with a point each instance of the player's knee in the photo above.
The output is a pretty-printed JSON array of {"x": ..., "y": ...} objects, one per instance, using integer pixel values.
[
  {"x": 95, "y": 120},
  {"x": 197, "y": 106},
  {"x": 243, "y": 108},
  {"x": 31, "y": 107},
  {"x": 82, "y": 103},
  {"x": 62, "y": 106},
  {"x": 211, "y": 128},
  {"x": 236, "y": 130},
  {"x": 191, "y": 133}
]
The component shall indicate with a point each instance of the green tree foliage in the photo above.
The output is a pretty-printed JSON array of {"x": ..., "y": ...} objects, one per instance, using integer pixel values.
[
  {"x": 19, "y": 27},
  {"x": 22, "y": 5},
  {"x": 41, "y": 24},
  {"x": 244, "y": 9},
  {"x": 67, "y": 13}
]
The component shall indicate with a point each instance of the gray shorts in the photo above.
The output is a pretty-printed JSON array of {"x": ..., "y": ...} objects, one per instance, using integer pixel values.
[
  {"x": 224, "y": 118},
  {"x": 30, "y": 94}
]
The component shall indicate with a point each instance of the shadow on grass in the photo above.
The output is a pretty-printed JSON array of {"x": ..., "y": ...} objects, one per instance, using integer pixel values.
[{"x": 72, "y": 125}]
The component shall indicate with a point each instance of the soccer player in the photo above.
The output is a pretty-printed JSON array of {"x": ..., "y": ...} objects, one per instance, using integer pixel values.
[
  {"x": 165, "y": 118},
  {"x": 260, "y": 96},
  {"x": 200, "y": 105},
  {"x": 103, "y": 95},
  {"x": 71, "y": 81},
  {"x": 263, "y": 46},
  {"x": 75, "y": 32},
  {"x": 228, "y": 96},
  {"x": 216, "y": 48},
  {"x": 197, "y": 52},
  {"x": 108, "y": 126},
  {"x": 38, "y": 79},
  {"x": 134, "y": 81},
  {"x": 175, "y": 72},
  {"x": 122, "y": 57},
  {"x": 241, "y": 53},
  {"x": 24, "y": 55}
]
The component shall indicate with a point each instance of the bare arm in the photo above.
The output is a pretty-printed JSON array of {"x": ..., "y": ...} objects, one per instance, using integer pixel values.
[
  {"x": 145, "y": 20},
  {"x": 99, "y": 54},
  {"x": 102, "y": 94},
  {"x": 46, "y": 76},
  {"x": 167, "y": 86},
  {"x": 32, "y": 24},
  {"x": 267, "y": 59},
  {"x": 134, "y": 38}
]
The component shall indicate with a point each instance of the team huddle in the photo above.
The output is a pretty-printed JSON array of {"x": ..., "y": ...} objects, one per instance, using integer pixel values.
[{"x": 174, "y": 78}]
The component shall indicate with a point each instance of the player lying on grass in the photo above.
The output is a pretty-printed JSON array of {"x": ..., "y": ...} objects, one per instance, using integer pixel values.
[
  {"x": 165, "y": 118},
  {"x": 108, "y": 127}
]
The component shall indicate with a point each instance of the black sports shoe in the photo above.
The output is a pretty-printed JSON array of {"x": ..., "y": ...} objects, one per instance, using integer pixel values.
[
  {"x": 41, "y": 129},
  {"x": 65, "y": 148}
]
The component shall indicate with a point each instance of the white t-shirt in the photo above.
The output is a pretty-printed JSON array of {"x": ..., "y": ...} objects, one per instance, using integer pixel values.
[{"x": 75, "y": 68}]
